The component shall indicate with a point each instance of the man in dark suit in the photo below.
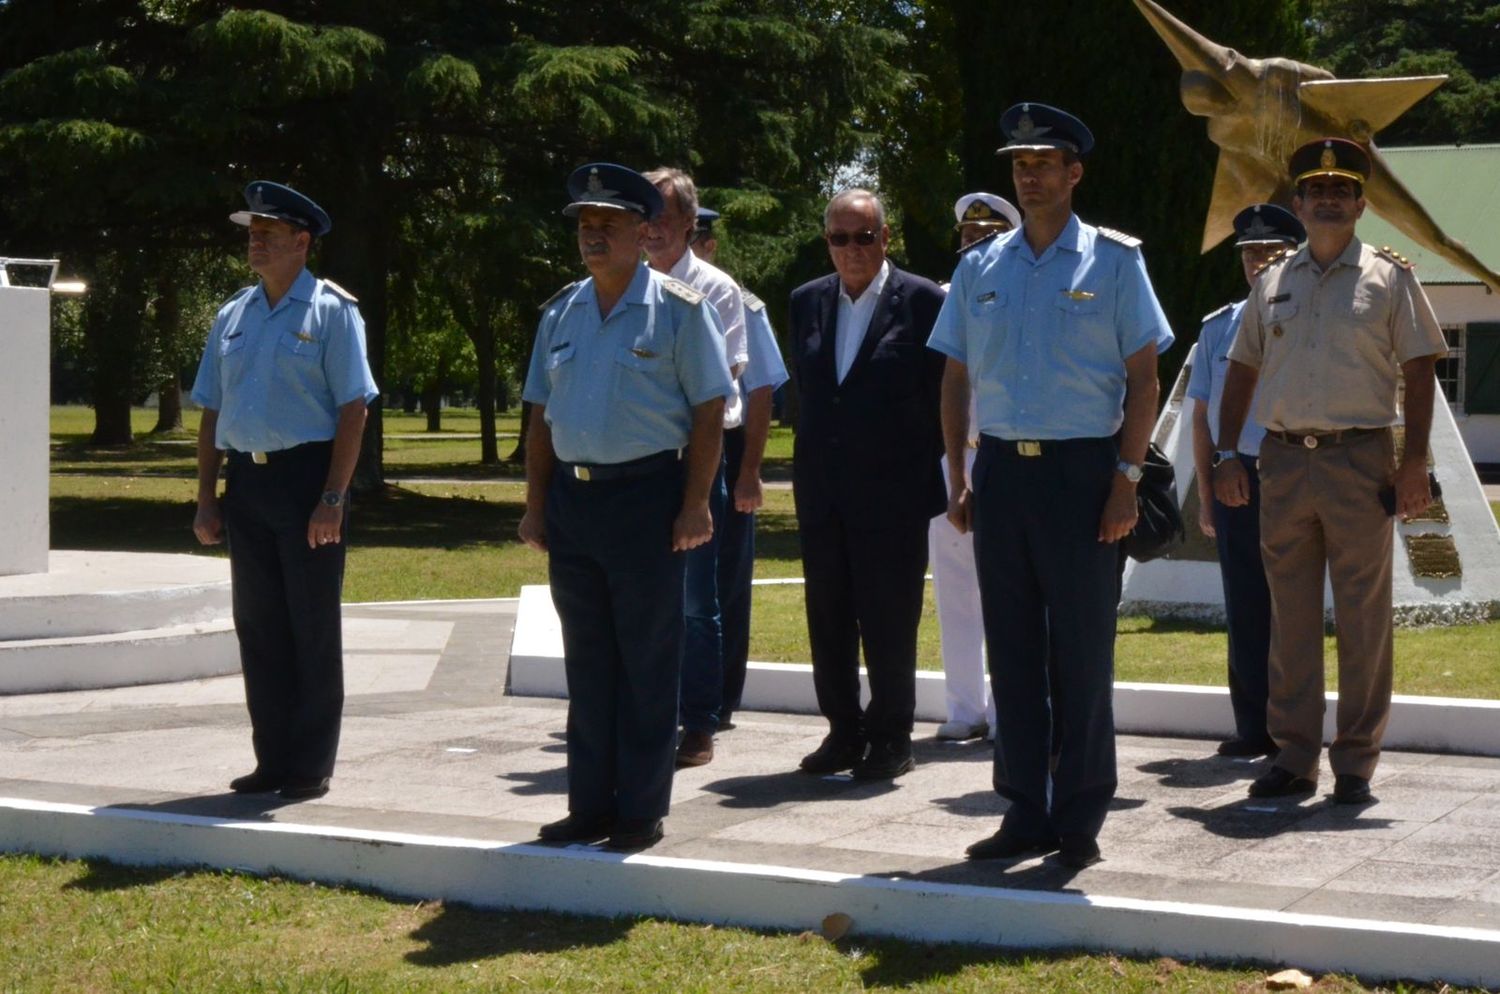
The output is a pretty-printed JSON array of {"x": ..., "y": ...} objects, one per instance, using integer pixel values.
[{"x": 866, "y": 482}]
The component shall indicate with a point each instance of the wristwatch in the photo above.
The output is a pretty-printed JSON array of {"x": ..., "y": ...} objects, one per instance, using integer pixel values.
[
  {"x": 1131, "y": 470},
  {"x": 1223, "y": 455},
  {"x": 333, "y": 498}
]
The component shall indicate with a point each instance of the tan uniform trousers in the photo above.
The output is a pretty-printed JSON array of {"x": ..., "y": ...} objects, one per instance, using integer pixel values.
[{"x": 1322, "y": 507}]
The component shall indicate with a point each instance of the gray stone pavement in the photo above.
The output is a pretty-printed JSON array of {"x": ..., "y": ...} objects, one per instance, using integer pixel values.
[{"x": 432, "y": 745}]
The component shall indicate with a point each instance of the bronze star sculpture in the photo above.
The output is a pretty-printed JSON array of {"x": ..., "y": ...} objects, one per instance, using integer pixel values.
[{"x": 1259, "y": 110}]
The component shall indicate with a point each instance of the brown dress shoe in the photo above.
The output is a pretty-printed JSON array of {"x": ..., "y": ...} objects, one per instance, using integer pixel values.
[{"x": 695, "y": 749}]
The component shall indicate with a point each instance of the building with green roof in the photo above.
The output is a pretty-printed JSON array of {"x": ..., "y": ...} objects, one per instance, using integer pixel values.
[{"x": 1460, "y": 186}]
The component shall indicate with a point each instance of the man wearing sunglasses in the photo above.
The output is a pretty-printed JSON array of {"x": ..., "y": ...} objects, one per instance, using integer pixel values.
[
  {"x": 866, "y": 478},
  {"x": 1057, "y": 327}
]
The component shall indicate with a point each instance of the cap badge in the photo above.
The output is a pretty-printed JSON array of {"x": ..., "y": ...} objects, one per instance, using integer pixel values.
[
  {"x": 978, "y": 211},
  {"x": 595, "y": 185},
  {"x": 256, "y": 202},
  {"x": 1329, "y": 160},
  {"x": 1026, "y": 129},
  {"x": 1259, "y": 228}
]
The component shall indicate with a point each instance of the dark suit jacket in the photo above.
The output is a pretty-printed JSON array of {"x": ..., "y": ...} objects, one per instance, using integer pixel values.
[{"x": 869, "y": 448}]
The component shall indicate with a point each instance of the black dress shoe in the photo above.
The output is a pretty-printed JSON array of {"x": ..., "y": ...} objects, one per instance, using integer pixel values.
[
  {"x": 634, "y": 834},
  {"x": 1279, "y": 782},
  {"x": 726, "y": 723},
  {"x": 1351, "y": 789},
  {"x": 886, "y": 760},
  {"x": 303, "y": 788},
  {"x": 577, "y": 828},
  {"x": 1077, "y": 852},
  {"x": 258, "y": 782},
  {"x": 1238, "y": 747},
  {"x": 1003, "y": 845},
  {"x": 834, "y": 755}
]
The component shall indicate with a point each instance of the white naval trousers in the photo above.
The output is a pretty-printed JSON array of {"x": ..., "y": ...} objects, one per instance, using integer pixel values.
[{"x": 955, "y": 587}]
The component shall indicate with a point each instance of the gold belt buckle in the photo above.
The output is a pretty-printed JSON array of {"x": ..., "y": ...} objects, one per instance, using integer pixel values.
[
  {"x": 1029, "y": 448},
  {"x": 1311, "y": 441},
  {"x": 973, "y": 443},
  {"x": 581, "y": 473},
  {"x": 259, "y": 458}
]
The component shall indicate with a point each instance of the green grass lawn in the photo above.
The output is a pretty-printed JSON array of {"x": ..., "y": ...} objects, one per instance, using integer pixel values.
[
  {"x": 457, "y": 539},
  {"x": 77, "y": 926}
]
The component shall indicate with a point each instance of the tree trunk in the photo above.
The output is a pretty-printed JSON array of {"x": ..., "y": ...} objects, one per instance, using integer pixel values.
[
  {"x": 483, "y": 337},
  {"x": 432, "y": 405},
  {"x": 520, "y": 454},
  {"x": 168, "y": 406}
]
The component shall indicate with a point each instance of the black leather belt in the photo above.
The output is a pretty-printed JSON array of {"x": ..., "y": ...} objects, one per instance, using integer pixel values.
[
  {"x": 599, "y": 472},
  {"x": 262, "y": 458},
  {"x": 1032, "y": 447},
  {"x": 1311, "y": 440}
]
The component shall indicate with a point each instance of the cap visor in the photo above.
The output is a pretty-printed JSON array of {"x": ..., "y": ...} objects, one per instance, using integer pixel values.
[
  {"x": 1241, "y": 243},
  {"x": 1344, "y": 173},
  {"x": 572, "y": 209}
]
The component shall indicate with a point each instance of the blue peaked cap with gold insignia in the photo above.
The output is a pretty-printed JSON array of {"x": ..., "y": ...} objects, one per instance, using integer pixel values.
[
  {"x": 1267, "y": 224},
  {"x": 1037, "y": 126},
  {"x": 605, "y": 184},
  {"x": 281, "y": 203}
]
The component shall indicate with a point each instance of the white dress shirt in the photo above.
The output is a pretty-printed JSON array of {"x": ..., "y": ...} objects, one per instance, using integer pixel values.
[
  {"x": 854, "y": 319},
  {"x": 728, "y": 302}
]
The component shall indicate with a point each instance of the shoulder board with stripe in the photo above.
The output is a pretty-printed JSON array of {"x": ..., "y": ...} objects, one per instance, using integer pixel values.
[
  {"x": 1278, "y": 257},
  {"x": 980, "y": 242},
  {"x": 1129, "y": 241},
  {"x": 753, "y": 302},
  {"x": 1223, "y": 310},
  {"x": 1386, "y": 252},
  {"x": 330, "y": 284},
  {"x": 239, "y": 293},
  {"x": 679, "y": 289},
  {"x": 558, "y": 295}
]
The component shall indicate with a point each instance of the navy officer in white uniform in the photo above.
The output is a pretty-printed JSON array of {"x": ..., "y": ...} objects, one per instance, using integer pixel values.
[
  {"x": 1263, "y": 232},
  {"x": 284, "y": 384},
  {"x": 628, "y": 377},
  {"x": 1057, "y": 327}
]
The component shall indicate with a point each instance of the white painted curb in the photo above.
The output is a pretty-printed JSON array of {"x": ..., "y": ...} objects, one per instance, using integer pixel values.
[
  {"x": 583, "y": 880},
  {"x": 1427, "y": 724}
]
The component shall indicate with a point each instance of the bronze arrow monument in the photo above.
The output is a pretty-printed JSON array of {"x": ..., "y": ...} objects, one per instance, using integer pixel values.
[{"x": 1259, "y": 110}]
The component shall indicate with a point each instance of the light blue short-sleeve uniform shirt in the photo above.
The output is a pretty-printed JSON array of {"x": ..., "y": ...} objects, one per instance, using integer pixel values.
[
  {"x": 1045, "y": 339},
  {"x": 278, "y": 376},
  {"x": 1211, "y": 366},
  {"x": 765, "y": 367},
  {"x": 623, "y": 387}
]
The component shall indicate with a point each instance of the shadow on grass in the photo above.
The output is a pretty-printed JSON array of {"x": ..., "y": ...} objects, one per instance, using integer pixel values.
[
  {"x": 395, "y": 518},
  {"x": 100, "y": 876},
  {"x": 460, "y": 934}
]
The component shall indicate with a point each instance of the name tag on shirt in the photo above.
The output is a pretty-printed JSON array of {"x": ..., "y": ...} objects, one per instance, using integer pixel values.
[
  {"x": 643, "y": 353},
  {"x": 304, "y": 336},
  {"x": 985, "y": 298},
  {"x": 1280, "y": 298},
  {"x": 1079, "y": 294}
]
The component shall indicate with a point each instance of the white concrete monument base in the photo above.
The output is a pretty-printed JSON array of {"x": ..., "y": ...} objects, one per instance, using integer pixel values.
[{"x": 113, "y": 619}]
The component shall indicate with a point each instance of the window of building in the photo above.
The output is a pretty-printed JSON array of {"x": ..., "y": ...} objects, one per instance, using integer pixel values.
[{"x": 1450, "y": 368}]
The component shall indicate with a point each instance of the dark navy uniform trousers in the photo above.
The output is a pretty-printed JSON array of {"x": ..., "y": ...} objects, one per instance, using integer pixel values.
[
  {"x": 1048, "y": 593},
  {"x": 736, "y": 566},
  {"x": 618, "y": 589},
  {"x": 1247, "y": 605},
  {"x": 286, "y": 609}
]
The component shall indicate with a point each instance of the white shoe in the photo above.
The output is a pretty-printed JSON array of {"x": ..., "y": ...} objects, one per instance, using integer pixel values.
[{"x": 958, "y": 731}]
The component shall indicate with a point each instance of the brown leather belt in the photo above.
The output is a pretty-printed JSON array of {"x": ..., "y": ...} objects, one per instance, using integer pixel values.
[{"x": 1311, "y": 440}]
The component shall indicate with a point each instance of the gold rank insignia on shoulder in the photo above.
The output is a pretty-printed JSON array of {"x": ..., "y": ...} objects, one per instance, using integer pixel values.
[
  {"x": 1386, "y": 252},
  {"x": 643, "y": 353},
  {"x": 682, "y": 291},
  {"x": 1273, "y": 260},
  {"x": 1079, "y": 294},
  {"x": 330, "y": 284}
]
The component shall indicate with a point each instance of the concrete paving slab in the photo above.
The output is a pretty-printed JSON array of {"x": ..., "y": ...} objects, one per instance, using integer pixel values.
[{"x": 433, "y": 750}]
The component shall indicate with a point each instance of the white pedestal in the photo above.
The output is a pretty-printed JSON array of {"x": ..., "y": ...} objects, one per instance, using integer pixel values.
[{"x": 25, "y": 396}]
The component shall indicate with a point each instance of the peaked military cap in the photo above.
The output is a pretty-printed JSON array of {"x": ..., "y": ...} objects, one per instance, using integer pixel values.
[
  {"x": 281, "y": 203},
  {"x": 986, "y": 209},
  {"x": 605, "y": 184},
  {"x": 1330, "y": 157},
  {"x": 704, "y": 225},
  {"x": 1267, "y": 224},
  {"x": 1038, "y": 126}
]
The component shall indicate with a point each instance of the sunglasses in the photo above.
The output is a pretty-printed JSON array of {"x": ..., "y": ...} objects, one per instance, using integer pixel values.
[{"x": 839, "y": 239}]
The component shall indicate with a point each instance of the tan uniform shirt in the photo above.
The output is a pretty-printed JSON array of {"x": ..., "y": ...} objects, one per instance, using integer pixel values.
[{"x": 1329, "y": 344}]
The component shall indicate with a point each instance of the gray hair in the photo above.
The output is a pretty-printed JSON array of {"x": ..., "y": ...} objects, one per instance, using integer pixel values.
[
  {"x": 681, "y": 187},
  {"x": 849, "y": 197}
]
